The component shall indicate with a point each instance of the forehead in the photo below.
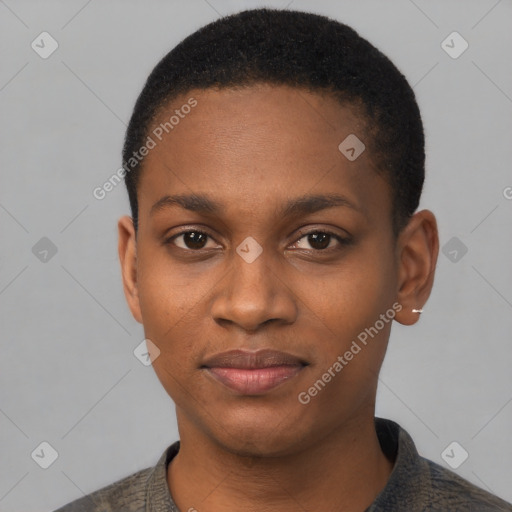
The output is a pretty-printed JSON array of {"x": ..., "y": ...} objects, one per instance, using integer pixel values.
[{"x": 256, "y": 146}]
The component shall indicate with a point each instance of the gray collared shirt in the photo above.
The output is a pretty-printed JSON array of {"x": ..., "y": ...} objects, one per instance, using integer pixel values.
[{"x": 415, "y": 485}]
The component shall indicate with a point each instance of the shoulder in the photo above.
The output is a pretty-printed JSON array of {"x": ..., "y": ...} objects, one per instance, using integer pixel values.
[
  {"x": 451, "y": 490},
  {"x": 419, "y": 484},
  {"x": 127, "y": 494}
]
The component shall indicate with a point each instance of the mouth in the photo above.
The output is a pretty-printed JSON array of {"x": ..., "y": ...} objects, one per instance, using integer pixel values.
[{"x": 253, "y": 373}]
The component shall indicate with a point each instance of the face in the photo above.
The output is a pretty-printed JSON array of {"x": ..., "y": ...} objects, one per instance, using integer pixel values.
[{"x": 279, "y": 248}]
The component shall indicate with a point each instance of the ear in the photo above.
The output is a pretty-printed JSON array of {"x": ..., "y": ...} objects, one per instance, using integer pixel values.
[
  {"x": 418, "y": 248},
  {"x": 127, "y": 248}
]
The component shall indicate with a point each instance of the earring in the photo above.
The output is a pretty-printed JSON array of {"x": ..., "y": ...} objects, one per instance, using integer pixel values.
[{"x": 419, "y": 311}]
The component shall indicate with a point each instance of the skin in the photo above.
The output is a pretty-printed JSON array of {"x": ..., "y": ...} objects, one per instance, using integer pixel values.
[{"x": 252, "y": 149}]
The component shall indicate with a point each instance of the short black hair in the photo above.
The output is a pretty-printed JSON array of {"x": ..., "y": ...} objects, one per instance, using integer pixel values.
[{"x": 301, "y": 50}]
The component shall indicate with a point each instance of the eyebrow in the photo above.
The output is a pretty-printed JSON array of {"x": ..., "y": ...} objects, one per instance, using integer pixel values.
[{"x": 295, "y": 207}]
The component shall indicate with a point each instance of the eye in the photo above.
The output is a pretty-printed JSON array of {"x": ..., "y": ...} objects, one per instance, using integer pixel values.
[
  {"x": 191, "y": 240},
  {"x": 320, "y": 240}
]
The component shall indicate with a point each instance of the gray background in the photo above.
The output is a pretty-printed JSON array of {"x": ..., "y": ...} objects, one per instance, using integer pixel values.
[{"x": 68, "y": 375}]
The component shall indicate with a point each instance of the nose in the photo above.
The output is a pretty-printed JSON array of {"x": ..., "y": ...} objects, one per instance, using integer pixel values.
[{"x": 254, "y": 294}]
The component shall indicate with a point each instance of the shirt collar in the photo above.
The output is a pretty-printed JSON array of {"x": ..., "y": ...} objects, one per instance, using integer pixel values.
[
  {"x": 408, "y": 484},
  {"x": 158, "y": 495}
]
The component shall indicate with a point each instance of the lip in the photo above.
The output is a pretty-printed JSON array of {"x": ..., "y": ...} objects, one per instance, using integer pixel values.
[{"x": 253, "y": 373}]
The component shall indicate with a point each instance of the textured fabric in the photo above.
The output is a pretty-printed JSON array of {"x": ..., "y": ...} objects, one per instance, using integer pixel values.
[{"x": 415, "y": 485}]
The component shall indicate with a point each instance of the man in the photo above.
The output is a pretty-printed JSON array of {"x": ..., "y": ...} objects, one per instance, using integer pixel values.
[{"x": 274, "y": 163}]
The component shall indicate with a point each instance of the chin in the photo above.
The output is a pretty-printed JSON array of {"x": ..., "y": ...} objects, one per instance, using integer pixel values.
[
  {"x": 244, "y": 444},
  {"x": 260, "y": 435}
]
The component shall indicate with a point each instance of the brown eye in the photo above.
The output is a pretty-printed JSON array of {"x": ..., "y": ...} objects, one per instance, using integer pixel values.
[
  {"x": 319, "y": 241},
  {"x": 195, "y": 240},
  {"x": 191, "y": 240}
]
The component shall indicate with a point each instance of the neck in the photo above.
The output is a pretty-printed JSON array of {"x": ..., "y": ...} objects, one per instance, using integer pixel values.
[{"x": 343, "y": 471}]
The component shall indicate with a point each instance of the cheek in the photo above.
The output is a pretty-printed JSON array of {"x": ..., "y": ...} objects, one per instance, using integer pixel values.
[
  {"x": 172, "y": 314},
  {"x": 351, "y": 296},
  {"x": 169, "y": 292},
  {"x": 347, "y": 306}
]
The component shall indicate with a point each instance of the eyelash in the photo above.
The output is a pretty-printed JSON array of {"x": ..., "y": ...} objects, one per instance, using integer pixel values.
[{"x": 343, "y": 241}]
